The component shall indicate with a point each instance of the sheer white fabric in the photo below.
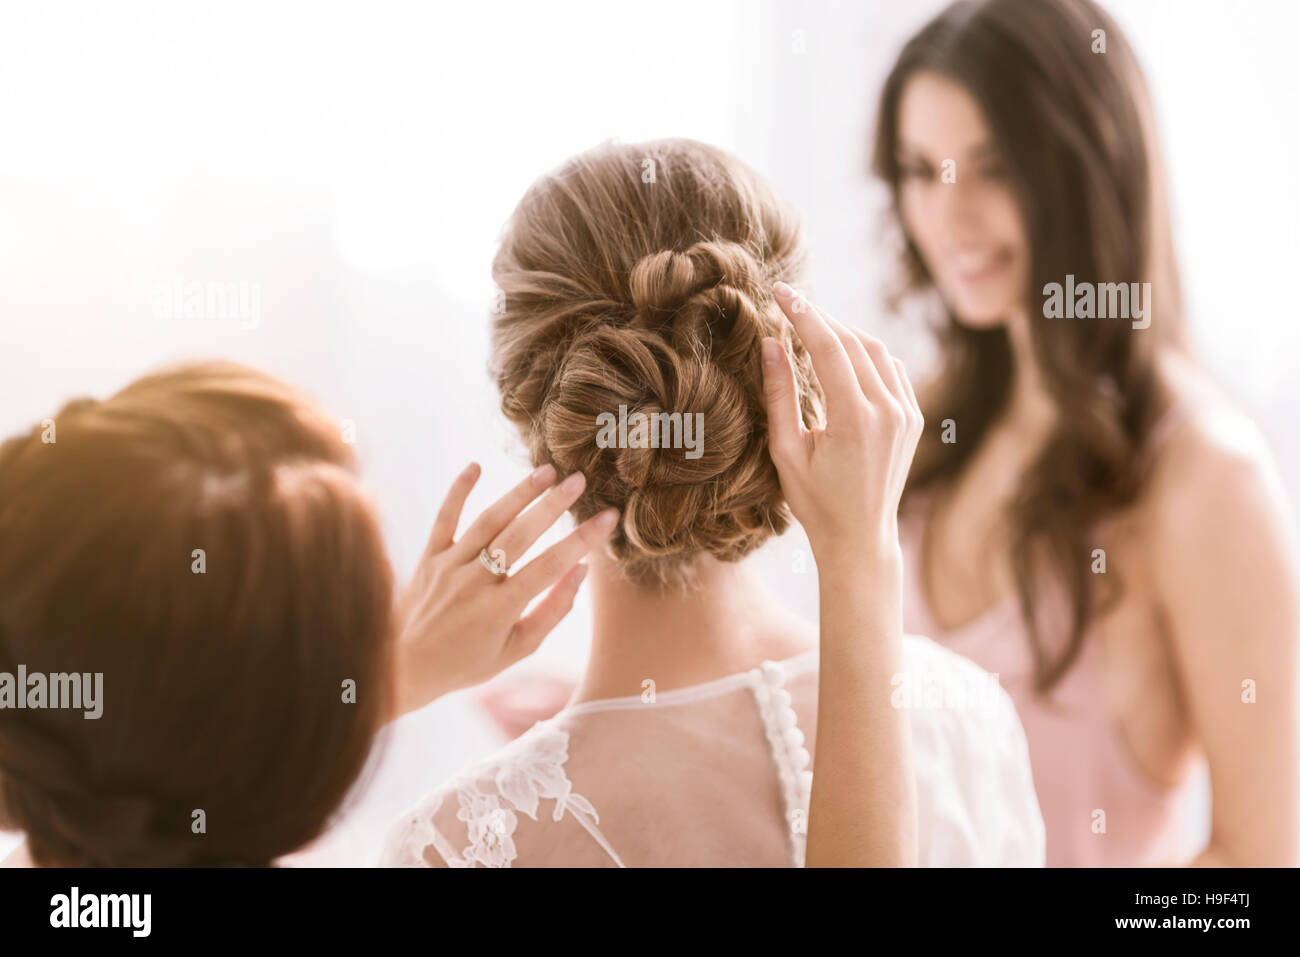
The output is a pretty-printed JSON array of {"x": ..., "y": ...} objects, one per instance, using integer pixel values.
[{"x": 719, "y": 774}]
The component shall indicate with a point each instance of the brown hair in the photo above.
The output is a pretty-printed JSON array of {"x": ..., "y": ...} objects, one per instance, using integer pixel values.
[
  {"x": 1075, "y": 129},
  {"x": 640, "y": 276},
  {"x": 222, "y": 691}
]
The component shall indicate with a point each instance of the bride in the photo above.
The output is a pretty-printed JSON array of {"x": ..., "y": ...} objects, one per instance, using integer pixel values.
[{"x": 690, "y": 739}]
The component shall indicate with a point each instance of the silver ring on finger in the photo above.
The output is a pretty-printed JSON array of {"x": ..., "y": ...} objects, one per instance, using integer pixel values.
[{"x": 494, "y": 562}]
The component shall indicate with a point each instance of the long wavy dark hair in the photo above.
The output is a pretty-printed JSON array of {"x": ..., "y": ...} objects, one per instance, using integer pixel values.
[{"x": 1076, "y": 132}]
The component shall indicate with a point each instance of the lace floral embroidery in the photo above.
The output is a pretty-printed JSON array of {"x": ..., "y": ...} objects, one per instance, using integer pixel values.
[
  {"x": 490, "y": 827},
  {"x": 524, "y": 773}
]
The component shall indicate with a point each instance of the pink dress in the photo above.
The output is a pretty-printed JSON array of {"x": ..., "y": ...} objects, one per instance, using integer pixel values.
[{"x": 1099, "y": 807}]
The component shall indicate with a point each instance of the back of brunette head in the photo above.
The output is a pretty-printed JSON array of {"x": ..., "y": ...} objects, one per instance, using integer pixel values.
[
  {"x": 223, "y": 672},
  {"x": 1070, "y": 119},
  {"x": 640, "y": 276}
]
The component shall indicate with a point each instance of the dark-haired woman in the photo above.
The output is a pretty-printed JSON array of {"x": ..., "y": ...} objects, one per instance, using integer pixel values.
[{"x": 1085, "y": 515}]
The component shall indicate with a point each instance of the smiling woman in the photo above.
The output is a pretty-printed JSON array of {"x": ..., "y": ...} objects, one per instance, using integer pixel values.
[
  {"x": 1088, "y": 517},
  {"x": 982, "y": 263},
  {"x": 1045, "y": 187}
]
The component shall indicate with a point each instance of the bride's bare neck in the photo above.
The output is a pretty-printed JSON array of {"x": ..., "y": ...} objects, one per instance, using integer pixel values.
[{"x": 680, "y": 638}]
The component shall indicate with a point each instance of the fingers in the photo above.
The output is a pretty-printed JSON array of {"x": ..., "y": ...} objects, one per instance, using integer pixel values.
[
  {"x": 489, "y": 525},
  {"x": 885, "y": 364},
  {"x": 908, "y": 391},
  {"x": 529, "y": 631},
  {"x": 893, "y": 399},
  {"x": 444, "y": 526},
  {"x": 520, "y": 534},
  {"x": 877, "y": 371},
  {"x": 829, "y": 359},
  {"x": 784, "y": 423},
  {"x": 548, "y": 567},
  {"x": 868, "y": 356},
  {"x": 915, "y": 417}
]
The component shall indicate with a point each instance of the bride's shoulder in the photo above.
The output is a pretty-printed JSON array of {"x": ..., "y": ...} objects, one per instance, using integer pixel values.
[
  {"x": 920, "y": 650},
  {"x": 922, "y": 654},
  {"x": 472, "y": 818},
  {"x": 948, "y": 692},
  {"x": 970, "y": 758},
  {"x": 542, "y": 749}
]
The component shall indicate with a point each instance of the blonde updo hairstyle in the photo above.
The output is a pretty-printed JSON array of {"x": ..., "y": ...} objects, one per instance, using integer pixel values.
[{"x": 641, "y": 276}]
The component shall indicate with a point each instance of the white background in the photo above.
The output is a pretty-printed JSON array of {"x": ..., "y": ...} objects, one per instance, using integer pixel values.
[{"x": 357, "y": 162}]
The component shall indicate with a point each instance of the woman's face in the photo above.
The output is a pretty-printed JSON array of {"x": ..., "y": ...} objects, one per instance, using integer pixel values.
[{"x": 957, "y": 203}]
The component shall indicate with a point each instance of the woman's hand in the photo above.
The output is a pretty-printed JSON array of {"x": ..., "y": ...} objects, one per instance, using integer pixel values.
[
  {"x": 843, "y": 481},
  {"x": 460, "y": 624}
]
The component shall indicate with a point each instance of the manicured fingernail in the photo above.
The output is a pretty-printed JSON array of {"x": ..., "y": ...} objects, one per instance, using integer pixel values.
[
  {"x": 606, "y": 519},
  {"x": 770, "y": 351},
  {"x": 574, "y": 483},
  {"x": 544, "y": 475},
  {"x": 471, "y": 469},
  {"x": 782, "y": 290}
]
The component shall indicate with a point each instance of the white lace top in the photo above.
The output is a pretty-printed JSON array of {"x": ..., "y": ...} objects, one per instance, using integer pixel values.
[{"x": 719, "y": 774}]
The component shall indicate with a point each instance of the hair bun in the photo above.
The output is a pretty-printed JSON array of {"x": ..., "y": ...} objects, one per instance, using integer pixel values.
[
  {"x": 624, "y": 299},
  {"x": 699, "y": 480},
  {"x": 708, "y": 293}
]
